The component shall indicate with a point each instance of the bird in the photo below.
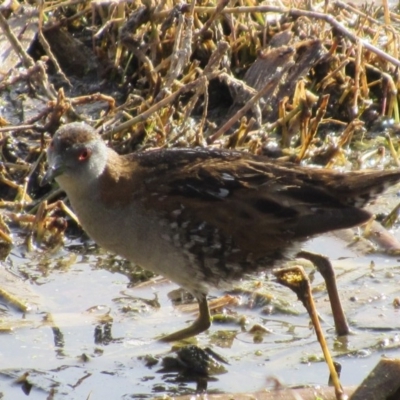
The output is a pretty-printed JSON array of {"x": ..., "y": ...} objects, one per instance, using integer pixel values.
[{"x": 203, "y": 217}]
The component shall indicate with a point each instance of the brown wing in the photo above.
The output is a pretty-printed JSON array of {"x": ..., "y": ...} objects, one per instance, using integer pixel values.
[{"x": 262, "y": 206}]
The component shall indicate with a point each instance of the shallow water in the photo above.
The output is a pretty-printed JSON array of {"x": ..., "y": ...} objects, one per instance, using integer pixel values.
[{"x": 72, "y": 296}]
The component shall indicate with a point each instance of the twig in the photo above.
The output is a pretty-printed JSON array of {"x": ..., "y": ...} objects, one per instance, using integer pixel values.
[
  {"x": 15, "y": 43},
  {"x": 240, "y": 113},
  {"x": 296, "y": 13}
]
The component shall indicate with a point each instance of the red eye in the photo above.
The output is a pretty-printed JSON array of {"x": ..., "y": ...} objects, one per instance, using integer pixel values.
[{"x": 84, "y": 155}]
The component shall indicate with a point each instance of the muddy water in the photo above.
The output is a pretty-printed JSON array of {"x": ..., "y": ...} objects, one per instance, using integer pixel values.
[{"x": 88, "y": 335}]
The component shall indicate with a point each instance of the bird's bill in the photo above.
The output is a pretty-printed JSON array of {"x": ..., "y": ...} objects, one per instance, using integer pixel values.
[{"x": 56, "y": 168}]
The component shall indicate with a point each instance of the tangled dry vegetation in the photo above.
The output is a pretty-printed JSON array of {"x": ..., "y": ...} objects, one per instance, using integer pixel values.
[{"x": 314, "y": 83}]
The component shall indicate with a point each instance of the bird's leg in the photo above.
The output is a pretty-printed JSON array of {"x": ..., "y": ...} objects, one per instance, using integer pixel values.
[
  {"x": 201, "y": 324},
  {"x": 296, "y": 279},
  {"x": 325, "y": 268}
]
